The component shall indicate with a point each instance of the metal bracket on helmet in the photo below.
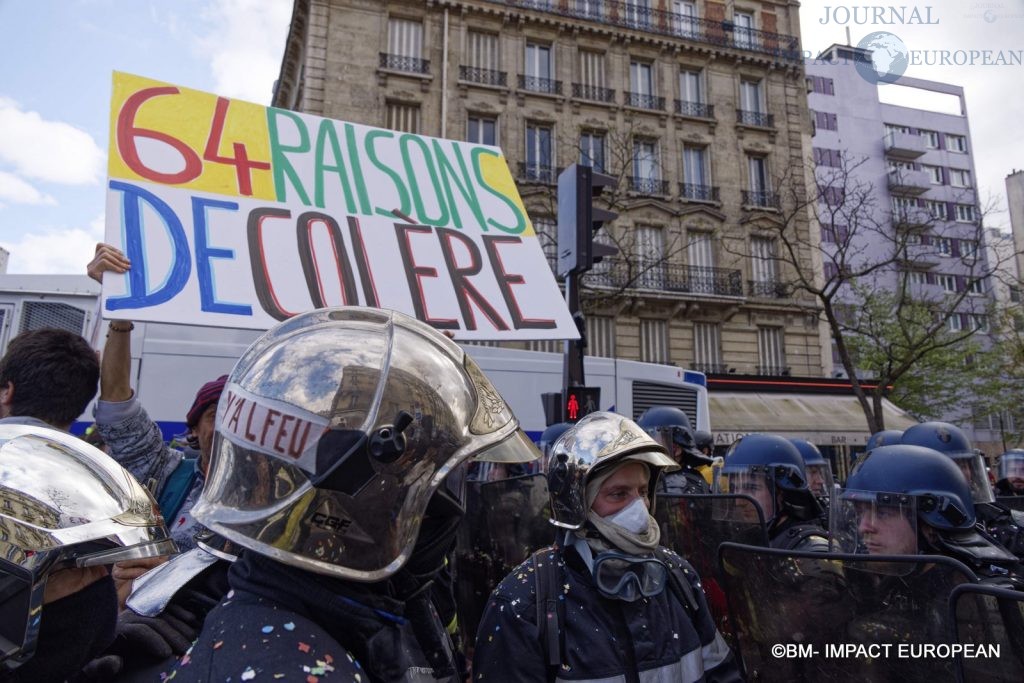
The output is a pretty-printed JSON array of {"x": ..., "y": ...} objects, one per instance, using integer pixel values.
[{"x": 386, "y": 444}]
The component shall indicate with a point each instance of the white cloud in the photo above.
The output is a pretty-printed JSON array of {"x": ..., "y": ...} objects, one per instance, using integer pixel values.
[
  {"x": 246, "y": 48},
  {"x": 47, "y": 150},
  {"x": 14, "y": 189},
  {"x": 55, "y": 251}
]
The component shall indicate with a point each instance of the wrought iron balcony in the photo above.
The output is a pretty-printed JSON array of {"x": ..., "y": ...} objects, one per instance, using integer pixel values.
[
  {"x": 710, "y": 368},
  {"x": 767, "y": 289},
  {"x": 768, "y": 200},
  {"x": 537, "y": 173},
  {"x": 629, "y": 15},
  {"x": 538, "y": 84},
  {"x": 755, "y": 118},
  {"x": 413, "y": 65},
  {"x": 474, "y": 74},
  {"x": 593, "y": 93},
  {"x": 666, "y": 277},
  {"x": 640, "y": 101},
  {"x": 695, "y": 109},
  {"x": 698, "y": 193},
  {"x": 774, "y": 370},
  {"x": 648, "y": 186}
]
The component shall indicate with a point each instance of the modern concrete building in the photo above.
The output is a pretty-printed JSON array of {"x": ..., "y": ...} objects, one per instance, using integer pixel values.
[
  {"x": 694, "y": 106},
  {"x": 919, "y": 165}
]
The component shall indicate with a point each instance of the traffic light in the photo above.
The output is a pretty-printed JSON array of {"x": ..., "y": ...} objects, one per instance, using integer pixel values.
[
  {"x": 579, "y": 219},
  {"x": 580, "y": 402}
]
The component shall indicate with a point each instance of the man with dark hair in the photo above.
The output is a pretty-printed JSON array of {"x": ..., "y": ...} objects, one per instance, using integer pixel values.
[{"x": 47, "y": 378}]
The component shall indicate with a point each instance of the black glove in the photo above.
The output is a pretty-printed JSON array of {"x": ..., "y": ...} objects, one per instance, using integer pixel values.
[{"x": 143, "y": 641}]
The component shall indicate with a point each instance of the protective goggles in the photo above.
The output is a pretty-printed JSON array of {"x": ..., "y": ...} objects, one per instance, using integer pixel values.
[{"x": 627, "y": 577}]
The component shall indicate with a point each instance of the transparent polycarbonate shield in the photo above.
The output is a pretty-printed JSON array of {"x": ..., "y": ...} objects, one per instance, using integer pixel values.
[
  {"x": 506, "y": 520},
  {"x": 755, "y": 482},
  {"x": 872, "y": 523},
  {"x": 695, "y": 525},
  {"x": 819, "y": 479},
  {"x": 842, "y": 612},
  {"x": 989, "y": 623},
  {"x": 974, "y": 470}
]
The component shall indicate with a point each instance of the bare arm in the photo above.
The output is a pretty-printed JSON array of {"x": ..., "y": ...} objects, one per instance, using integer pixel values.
[{"x": 116, "y": 364}]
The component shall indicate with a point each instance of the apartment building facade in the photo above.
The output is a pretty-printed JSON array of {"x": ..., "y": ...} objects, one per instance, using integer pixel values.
[
  {"x": 695, "y": 107},
  {"x": 919, "y": 166}
]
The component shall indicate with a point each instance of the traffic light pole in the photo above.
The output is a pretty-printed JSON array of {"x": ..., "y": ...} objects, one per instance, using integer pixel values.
[{"x": 572, "y": 373}]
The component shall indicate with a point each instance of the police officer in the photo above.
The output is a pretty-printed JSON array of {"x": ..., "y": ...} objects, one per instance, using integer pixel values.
[
  {"x": 671, "y": 428},
  {"x": 547, "y": 441},
  {"x": 339, "y": 439},
  {"x": 999, "y": 521},
  {"x": 769, "y": 469},
  {"x": 67, "y": 512},
  {"x": 608, "y": 602},
  {"x": 1011, "y": 473}
]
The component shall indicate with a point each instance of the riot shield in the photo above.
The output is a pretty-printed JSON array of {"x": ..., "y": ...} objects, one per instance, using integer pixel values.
[
  {"x": 506, "y": 520},
  {"x": 989, "y": 624},
  {"x": 809, "y": 616},
  {"x": 694, "y": 525},
  {"x": 1012, "y": 502}
]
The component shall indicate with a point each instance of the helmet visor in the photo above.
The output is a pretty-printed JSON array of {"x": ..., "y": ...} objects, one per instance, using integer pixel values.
[
  {"x": 754, "y": 482},
  {"x": 627, "y": 577},
  {"x": 874, "y": 523},
  {"x": 973, "y": 468},
  {"x": 1011, "y": 466},
  {"x": 819, "y": 479}
]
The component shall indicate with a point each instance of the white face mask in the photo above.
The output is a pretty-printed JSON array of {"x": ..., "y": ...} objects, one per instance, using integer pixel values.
[{"x": 634, "y": 518}]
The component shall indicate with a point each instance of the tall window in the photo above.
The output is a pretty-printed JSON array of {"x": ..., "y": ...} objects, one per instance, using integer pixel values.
[
  {"x": 743, "y": 31},
  {"x": 826, "y": 120},
  {"x": 707, "y": 347},
  {"x": 760, "y": 185},
  {"x": 538, "y": 152},
  {"x": 482, "y": 50},
  {"x": 931, "y": 138},
  {"x": 601, "y": 336},
  {"x": 696, "y": 179},
  {"x": 762, "y": 260},
  {"x": 934, "y": 173},
  {"x": 645, "y": 160},
  {"x": 956, "y": 143},
  {"x": 482, "y": 130},
  {"x": 592, "y": 151},
  {"x": 653, "y": 341},
  {"x": 592, "y": 69},
  {"x": 650, "y": 256},
  {"x": 405, "y": 38},
  {"x": 691, "y": 86},
  {"x": 403, "y": 117},
  {"x": 638, "y": 13},
  {"x": 538, "y": 61},
  {"x": 771, "y": 351},
  {"x": 589, "y": 9},
  {"x": 751, "y": 96},
  {"x": 641, "y": 78},
  {"x": 684, "y": 18},
  {"x": 700, "y": 254}
]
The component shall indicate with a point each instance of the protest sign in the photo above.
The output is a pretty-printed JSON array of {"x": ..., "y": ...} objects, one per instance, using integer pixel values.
[{"x": 239, "y": 215}]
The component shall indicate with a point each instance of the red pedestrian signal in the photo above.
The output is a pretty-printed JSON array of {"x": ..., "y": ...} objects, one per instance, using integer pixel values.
[{"x": 580, "y": 402}]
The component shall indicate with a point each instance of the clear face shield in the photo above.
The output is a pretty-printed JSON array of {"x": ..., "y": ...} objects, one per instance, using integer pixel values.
[
  {"x": 671, "y": 438},
  {"x": 873, "y": 523},
  {"x": 756, "y": 482},
  {"x": 1011, "y": 468},
  {"x": 819, "y": 479},
  {"x": 973, "y": 468}
]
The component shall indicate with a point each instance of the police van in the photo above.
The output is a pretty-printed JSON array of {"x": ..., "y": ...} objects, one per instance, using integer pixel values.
[{"x": 170, "y": 362}]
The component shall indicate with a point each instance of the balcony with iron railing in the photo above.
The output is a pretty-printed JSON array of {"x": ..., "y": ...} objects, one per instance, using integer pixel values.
[
  {"x": 710, "y": 368},
  {"x": 697, "y": 110},
  {"x": 629, "y": 15},
  {"x": 548, "y": 86},
  {"x": 774, "y": 370},
  {"x": 698, "y": 193},
  {"x": 760, "y": 119},
  {"x": 767, "y": 289},
  {"x": 648, "y": 186},
  {"x": 666, "y": 277},
  {"x": 538, "y": 173},
  {"x": 643, "y": 101},
  {"x": 412, "y": 65},
  {"x": 593, "y": 93},
  {"x": 761, "y": 199},
  {"x": 472, "y": 74}
]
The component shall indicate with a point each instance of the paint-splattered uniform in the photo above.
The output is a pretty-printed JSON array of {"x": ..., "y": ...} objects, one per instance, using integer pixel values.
[
  {"x": 282, "y": 624},
  {"x": 654, "y": 639}
]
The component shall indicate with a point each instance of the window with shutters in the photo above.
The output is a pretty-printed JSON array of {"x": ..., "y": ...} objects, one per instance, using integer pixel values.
[
  {"x": 592, "y": 70},
  {"x": 700, "y": 254},
  {"x": 601, "y": 336},
  {"x": 762, "y": 257},
  {"x": 405, "y": 47},
  {"x": 403, "y": 117},
  {"x": 653, "y": 341},
  {"x": 482, "y": 51},
  {"x": 707, "y": 348},
  {"x": 771, "y": 353}
]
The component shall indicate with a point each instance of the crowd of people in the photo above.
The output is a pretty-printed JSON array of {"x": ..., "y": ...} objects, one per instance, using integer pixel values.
[{"x": 333, "y": 557}]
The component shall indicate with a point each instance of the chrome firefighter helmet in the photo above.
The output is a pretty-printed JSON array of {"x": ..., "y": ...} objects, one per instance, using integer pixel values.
[
  {"x": 595, "y": 442},
  {"x": 335, "y": 430},
  {"x": 63, "y": 504}
]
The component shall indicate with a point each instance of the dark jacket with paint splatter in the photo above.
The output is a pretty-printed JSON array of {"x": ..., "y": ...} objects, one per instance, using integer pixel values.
[
  {"x": 283, "y": 624},
  {"x": 651, "y": 640}
]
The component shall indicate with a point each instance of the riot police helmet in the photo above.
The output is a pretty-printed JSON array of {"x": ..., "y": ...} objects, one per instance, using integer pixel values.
[
  {"x": 817, "y": 468},
  {"x": 671, "y": 427},
  {"x": 769, "y": 468},
  {"x": 704, "y": 441},
  {"x": 886, "y": 437},
  {"x": 951, "y": 441},
  {"x": 548, "y": 439}
]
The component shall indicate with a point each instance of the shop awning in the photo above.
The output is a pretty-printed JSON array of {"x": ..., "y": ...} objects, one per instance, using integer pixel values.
[{"x": 822, "y": 419}]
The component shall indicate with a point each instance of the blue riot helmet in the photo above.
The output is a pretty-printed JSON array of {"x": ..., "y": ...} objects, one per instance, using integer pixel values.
[
  {"x": 769, "y": 469},
  {"x": 671, "y": 427},
  {"x": 886, "y": 437},
  {"x": 894, "y": 492},
  {"x": 704, "y": 442},
  {"x": 548, "y": 439},
  {"x": 951, "y": 441},
  {"x": 818, "y": 470}
]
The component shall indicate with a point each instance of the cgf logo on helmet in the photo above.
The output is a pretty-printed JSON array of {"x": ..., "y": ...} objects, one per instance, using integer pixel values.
[{"x": 333, "y": 523}]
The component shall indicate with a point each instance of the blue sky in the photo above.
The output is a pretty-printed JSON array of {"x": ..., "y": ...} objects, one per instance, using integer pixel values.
[{"x": 58, "y": 55}]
